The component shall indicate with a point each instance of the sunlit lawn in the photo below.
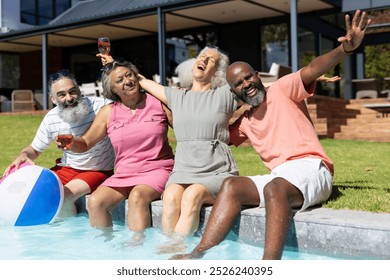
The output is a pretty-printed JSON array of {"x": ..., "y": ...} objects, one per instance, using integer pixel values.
[{"x": 362, "y": 177}]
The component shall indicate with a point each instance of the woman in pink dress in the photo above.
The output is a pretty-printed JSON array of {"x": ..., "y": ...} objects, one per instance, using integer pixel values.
[{"x": 137, "y": 125}]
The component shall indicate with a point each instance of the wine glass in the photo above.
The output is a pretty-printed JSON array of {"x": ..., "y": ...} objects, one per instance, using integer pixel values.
[
  {"x": 104, "y": 45},
  {"x": 65, "y": 137}
]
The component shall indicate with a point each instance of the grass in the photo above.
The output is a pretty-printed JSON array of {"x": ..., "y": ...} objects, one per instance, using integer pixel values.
[
  {"x": 16, "y": 133},
  {"x": 361, "y": 182},
  {"x": 362, "y": 178}
]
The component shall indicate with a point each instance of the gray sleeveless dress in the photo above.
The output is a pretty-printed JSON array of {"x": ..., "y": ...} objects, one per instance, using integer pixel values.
[{"x": 200, "y": 123}]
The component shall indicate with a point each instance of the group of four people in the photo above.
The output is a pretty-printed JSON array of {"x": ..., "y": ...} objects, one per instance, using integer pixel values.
[{"x": 202, "y": 171}]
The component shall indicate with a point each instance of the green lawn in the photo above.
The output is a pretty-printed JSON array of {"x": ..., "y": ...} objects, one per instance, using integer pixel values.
[{"x": 362, "y": 177}]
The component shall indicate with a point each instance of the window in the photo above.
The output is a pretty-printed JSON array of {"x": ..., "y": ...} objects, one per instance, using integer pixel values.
[
  {"x": 274, "y": 42},
  {"x": 39, "y": 12}
]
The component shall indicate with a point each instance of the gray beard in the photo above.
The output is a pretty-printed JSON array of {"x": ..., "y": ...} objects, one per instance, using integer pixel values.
[
  {"x": 255, "y": 100},
  {"x": 74, "y": 114}
]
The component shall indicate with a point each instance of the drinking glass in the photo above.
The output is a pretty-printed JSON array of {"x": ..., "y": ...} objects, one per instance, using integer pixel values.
[
  {"x": 65, "y": 137},
  {"x": 104, "y": 45}
]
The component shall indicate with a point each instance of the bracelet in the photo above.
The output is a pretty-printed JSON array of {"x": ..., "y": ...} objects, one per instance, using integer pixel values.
[{"x": 347, "y": 52}]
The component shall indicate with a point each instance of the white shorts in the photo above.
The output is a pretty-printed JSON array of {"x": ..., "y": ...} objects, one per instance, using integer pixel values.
[{"x": 309, "y": 175}]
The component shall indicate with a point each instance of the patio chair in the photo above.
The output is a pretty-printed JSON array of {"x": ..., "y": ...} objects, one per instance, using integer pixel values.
[
  {"x": 173, "y": 81},
  {"x": 88, "y": 89},
  {"x": 386, "y": 86},
  {"x": 275, "y": 72},
  {"x": 366, "y": 88},
  {"x": 5, "y": 104},
  {"x": 156, "y": 78},
  {"x": 22, "y": 100},
  {"x": 38, "y": 99},
  {"x": 99, "y": 88}
]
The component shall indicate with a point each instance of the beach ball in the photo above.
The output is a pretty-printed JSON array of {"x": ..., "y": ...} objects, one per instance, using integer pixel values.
[{"x": 31, "y": 195}]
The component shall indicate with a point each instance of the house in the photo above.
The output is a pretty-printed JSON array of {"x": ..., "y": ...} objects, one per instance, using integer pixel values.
[{"x": 37, "y": 40}]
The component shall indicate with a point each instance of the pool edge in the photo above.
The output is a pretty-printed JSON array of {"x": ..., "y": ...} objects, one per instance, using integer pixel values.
[{"x": 336, "y": 233}]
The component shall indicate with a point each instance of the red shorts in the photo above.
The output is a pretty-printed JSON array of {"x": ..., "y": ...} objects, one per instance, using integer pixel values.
[{"x": 93, "y": 178}]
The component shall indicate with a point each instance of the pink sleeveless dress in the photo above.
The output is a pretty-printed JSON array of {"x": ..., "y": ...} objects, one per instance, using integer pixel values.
[{"x": 140, "y": 141}]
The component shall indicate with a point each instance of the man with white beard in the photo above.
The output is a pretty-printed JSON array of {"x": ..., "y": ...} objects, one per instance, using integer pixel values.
[{"x": 80, "y": 173}]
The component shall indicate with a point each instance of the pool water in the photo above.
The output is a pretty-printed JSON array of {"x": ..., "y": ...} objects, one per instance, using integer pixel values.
[{"x": 74, "y": 239}]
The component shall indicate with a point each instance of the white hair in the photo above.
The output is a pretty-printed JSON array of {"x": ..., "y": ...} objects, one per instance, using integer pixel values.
[
  {"x": 184, "y": 70},
  {"x": 219, "y": 78},
  {"x": 184, "y": 73}
]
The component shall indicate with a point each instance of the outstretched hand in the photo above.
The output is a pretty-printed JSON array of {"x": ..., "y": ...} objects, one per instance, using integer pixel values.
[
  {"x": 355, "y": 31},
  {"x": 325, "y": 79}
]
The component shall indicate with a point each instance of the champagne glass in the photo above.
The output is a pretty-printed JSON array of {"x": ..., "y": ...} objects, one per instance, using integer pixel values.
[
  {"x": 65, "y": 137},
  {"x": 104, "y": 45}
]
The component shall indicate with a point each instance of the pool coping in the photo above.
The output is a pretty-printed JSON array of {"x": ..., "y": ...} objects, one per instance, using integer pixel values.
[{"x": 346, "y": 234}]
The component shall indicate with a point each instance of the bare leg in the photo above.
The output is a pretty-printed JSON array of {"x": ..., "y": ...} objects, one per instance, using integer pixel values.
[
  {"x": 140, "y": 197},
  {"x": 73, "y": 190},
  {"x": 194, "y": 197},
  {"x": 101, "y": 202},
  {"x": 280, "y": 197},
  {"x": 235, "y": 192},
  {"x": 171, "y": 207}
]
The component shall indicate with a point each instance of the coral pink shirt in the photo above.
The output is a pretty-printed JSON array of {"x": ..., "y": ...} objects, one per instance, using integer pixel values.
[{"x": 280, "y": 129}]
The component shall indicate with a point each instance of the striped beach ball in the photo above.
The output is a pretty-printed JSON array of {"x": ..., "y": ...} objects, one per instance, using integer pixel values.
[{"x": 31, "y": 195}]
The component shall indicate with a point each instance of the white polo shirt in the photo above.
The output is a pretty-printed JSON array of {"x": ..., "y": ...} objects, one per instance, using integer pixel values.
[{"x": 99, "y": 157}]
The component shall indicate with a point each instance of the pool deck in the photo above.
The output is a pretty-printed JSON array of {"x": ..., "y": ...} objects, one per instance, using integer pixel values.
[{"x": 335, "y": 233}]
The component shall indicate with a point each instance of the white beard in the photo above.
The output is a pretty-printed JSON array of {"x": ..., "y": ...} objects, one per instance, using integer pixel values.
[
  {"x": 255, "y": 100},
  {"x": 73, "y": 114}
]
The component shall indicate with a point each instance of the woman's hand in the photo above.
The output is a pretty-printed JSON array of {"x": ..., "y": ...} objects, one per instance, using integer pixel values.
[{"x": 105, "y": 58}]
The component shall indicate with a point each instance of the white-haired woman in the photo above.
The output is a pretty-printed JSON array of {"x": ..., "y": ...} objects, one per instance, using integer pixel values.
[{"x": 201, "y": 111}]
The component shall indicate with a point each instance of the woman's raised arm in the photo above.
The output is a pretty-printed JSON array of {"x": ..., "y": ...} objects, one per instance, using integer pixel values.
[{"x": 153, "y": 88}]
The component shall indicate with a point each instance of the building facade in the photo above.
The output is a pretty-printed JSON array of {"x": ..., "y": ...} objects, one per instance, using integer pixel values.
[{"x": 41, "y": 36}]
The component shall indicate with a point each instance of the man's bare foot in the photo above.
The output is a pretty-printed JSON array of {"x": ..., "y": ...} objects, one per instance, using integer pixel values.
[
  {"x": 190, "y": 256},
  {"x": 176, "y": 246}
]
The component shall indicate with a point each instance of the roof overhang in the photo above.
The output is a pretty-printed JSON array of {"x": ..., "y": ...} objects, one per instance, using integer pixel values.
[{"x": 181, "y": 15}]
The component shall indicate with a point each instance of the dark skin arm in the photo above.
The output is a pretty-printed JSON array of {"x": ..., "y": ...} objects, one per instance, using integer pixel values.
[{"x": 351, "y": 41}]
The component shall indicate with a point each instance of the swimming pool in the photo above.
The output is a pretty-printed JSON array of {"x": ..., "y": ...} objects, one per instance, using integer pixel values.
[{"x": 74, "y": 239}]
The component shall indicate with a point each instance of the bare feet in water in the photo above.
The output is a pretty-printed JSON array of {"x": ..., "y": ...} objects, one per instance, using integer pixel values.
[
  {"x": 197, "y": 253},
  {"x": 107, "y": 233},
  {"x": 137, "y": 240},
  {"x": 174, "y": 246}
]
